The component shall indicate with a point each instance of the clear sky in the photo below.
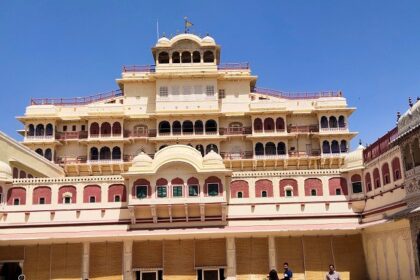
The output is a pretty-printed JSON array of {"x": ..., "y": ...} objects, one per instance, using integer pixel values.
[{"x": 368, "y": 49}]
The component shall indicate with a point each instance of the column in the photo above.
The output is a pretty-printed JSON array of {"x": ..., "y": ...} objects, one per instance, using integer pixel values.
[
  {"x": 271, "y": 252},
  {"x": 127, "y": 259},
  {"x": 85, "y": 261},
  {"x": 230, "y": 259}
]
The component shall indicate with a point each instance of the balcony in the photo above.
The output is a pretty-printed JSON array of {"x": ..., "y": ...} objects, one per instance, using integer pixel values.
[
  {"x": 260, "y": 131},
  {"x": 380, "y": 146},
  {"x": 302, "y": 128},
  {"x": 140, "y": 133},
  {"x": 235, "y": 130},
  {"x": 237, "y": 155},
  {"x": 139, "y": 68},
  {"x": 233, "y": 66},
  {"x": 71, "y": 135},
  {"x": 71, "y": 160},
  {"x": 334, "y": 129},
  {"x": 39, "y": 137},
  {"x": 77, "y": 100}
]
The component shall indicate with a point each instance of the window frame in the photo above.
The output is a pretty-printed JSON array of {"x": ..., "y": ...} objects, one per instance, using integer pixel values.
[
  {"x": 67, "y": 197},
  {"x": 210, "y": 91},
  {"x": 158, "y": 188},
  {"x": 92, "y": 199},
  {"x": 221, "y": 93},
  {"x": 119, "y": 198},
  {"x": 178, "y": 187},
  {"x": 16, "y": 199},
  {"x": 239, "y": 194},
  {"x": 42, "y": 200},
  {"x": 314, "y": 192},
  {"x": 338, "y": 191},
  {"x": 357, "y": 183},
  {"x": 163, "y": 92},
  {"x": 191, "y": 186},
  {"x": 137, "y": 192},
  {"x": 208, "y": 189}
]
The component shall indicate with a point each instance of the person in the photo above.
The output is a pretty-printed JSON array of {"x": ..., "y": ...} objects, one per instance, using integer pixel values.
[
  {"x": 332, "y": 274},
  {"x": 288, "y": 274},
  {"x": 272, "y": 275}
]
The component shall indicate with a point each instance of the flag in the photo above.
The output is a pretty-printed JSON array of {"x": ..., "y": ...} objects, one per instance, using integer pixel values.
[{"x": 187, "y": 24}]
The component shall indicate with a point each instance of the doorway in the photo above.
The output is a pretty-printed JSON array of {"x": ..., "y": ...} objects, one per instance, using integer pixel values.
[{"x": 10, "y": 271}]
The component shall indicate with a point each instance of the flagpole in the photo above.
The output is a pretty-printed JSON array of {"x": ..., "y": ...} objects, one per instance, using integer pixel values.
[{"x": 157, "y": 29}]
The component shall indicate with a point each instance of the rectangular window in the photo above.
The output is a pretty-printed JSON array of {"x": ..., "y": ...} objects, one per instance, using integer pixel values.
[
  {"x": 42, "y": 200},
  {"x": 213, "y": 189},
  {"x": 162, "y": 191},
  {"x": 186, "y": 90},
  {"x": 92, "y": 199},
  {"x": 289, "y": 193},
  {"x": 65, "y": 128},
  {"x": 67, "y": 200},
  {"x": 163, "y": 92},
  {"x": 16, "y": 201},
  {"x": 175, "y": 91},
  {"x": 210, "y": 274},
  {"x": 177, "y": 191},
  {"x": 357, "y": 187},
  {"x": 1, "y": 197},
  {"x": 198, "y": 90},
  {"x": 73, "y": 128},
  {"x": 210, "y": 90},
  {"x": 83, "y": 127},
  {"x": 117, "y": 198},
  {"x": 222, "y": 93},
  {"x": 193, "y": 190},
  {"x": 141, "y": 191},
  {"x": 338, "y": 192}
]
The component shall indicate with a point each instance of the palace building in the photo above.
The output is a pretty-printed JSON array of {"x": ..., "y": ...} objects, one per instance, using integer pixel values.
[{"x": 191, "y": 171}]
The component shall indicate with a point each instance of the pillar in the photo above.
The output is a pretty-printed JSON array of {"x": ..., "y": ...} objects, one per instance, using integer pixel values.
[
  {"x": 127, "y": 259},
  {"x": 271, "y": 252},
  {"x": 85, "y": 261},
  {"x": 230, "y": 259}
]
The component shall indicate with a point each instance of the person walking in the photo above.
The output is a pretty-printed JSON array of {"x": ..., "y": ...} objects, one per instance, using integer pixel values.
[
  {"x": 332, "y": 274},
  {"x": 288, "y": 274}
]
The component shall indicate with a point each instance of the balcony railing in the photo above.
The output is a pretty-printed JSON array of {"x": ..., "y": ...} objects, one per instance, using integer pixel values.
[
  {"x": 71, "y": 160},
  {"x": 380, "y": 146},
  {"x": 70, "y": 135},
  {"x": 237, "y": 155},
  {"x": 39, "y": 137},
  {"x": 77, "y": 100},
  {"x": 333, "y": 129},
  {"x": 183, "y": 133},
  {"x": 233, "y": 66},
  {"x": 235, "y": 130},
  {"x": 139, "y": 68},
  {"x": 302, "y": 128},
  {"x": 297, "y": 95},
  {"x": 269, "y": 130},
  {"x": 140, "y": 133}
]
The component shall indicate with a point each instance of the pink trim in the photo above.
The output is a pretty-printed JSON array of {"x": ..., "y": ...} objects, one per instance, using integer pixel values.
[
  {"x": 161, "y": 182},
  {"x": 65, "y": 189},
  {"x": 288, "y": 182},
  {"x": 16, "y": 192},
  {"x": 313, "y": 184},
  {"x": 263, "y": 185},
  {"x": 337, "y": 183},
  {"x": 177, "y": 181},
  {"x": 210, "y": 180},
  {"x": 92, "y": 191},
  {"x": 39, "y": 192},
  {"x": 239, "y": 186},
  {"x": 117, "y": 189},
  {"x": 141, "y": 182}
]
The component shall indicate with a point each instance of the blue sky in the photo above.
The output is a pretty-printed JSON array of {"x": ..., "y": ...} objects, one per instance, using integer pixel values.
[{"x": 368, "y": 49}]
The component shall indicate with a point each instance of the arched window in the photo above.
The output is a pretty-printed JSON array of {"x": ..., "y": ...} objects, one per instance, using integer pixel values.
[
  {"x": 385, "y": 174},
  {"x": 211, "y": 126},
  {"x": 313, "y": 186},
  {"x": 264, "y": 188},
  {"x": 270, "y": 149},
  {"x": 326, "y": 147},
  {"x": 341, "y": 122},
  {"x": 116, "y": 153},
  {"x": 31, "y": 130},
  {"x": 235, "y": 127},
  {"x": 239, "y": 186},
  {"x": 343, "y": 146},
  {"x": 39, "y": 130},
  {"x": 333, "y": 122},
  {"x": 258, "y": 126},
  {"x": 368, "y": 182},
  {"x": 41, "y": 195},
  {"x": 94, "y": 129},
  {"x": 187, "y": 127},
  {"x": 164, "y": 127},
  {"x": 49, "y": 130},
  {"x": 117, "y": 193},
  {"x": 105, "y": 153},
  {"x": 268, "y": 124},
  {"x": 259, "y": 149},
  {"x": 208, "y": 56},
  {"x": 356, "y": 183},
  {"x": 200, "y": 148},
  {"x": 92, "y": 194},
  {"x": 279, "y": 124},
  {"x": 48, "y": 154},
  {"x": 175, "y": 57},
  {"x": 105, "y": 129},
  {"x": 67, "y": 195},
  {"x": 396, "y": 168},
  {"x": 324, "y": 122},
  {"x": 337, "y": 183},
  {"x": 212, "y": 147},
  {"x": 116, "y": 128},
  {"x": 198, "y": 127},
  {"x": 186, "y": 57},
  {"x": 288, "y": 185},
  {"x": 163, "y": 146},
  {"x": 22, "y": 174},
  {"x": 415, "y": 148},
  {"x": 39, "y": 152},
  {"x": 94, "y": 154},
  {"x": 196, "y": 57},
  {"x": 334, "y": 147},
  {"x": 163, "y": 58},
  {"x": 16, "y": 196},
  {"x": 281, "y": 148},
  {"x": 176, "y": 128},
  {"x": 376, "y": 178}
]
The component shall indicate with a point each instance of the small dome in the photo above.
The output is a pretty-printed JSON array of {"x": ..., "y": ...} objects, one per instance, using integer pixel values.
[
  {"x": 142, "y": 159},
  {"x": 208, "y": 40},
  {"x": 5, "y": 172},
  {"x": 163, "y": 41},
  {"x": 355, "y": 158},
  {"x": 212, "y": 157}
]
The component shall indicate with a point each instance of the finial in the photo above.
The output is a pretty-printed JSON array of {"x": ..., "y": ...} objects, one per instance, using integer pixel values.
[
  {"x": 398, "y": 116},
  {"x": 360, "y": 142},
  {"x": 418, "y": 98},
  {"x": 207, "y": 34},
  {"x": 163, "y": 35},
  {"x": 410, "y": 102}
]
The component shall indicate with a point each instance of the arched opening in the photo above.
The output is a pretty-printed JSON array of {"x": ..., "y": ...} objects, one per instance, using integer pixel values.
[
  {"x": 235, "y": 128},
  {"x": 116, "y": 153},
  {"x": 396, "y": 168},
  {"x": 41, "y": 195},
  {"x": 92, "y": 194},
  {"x": 280, "y": 124},
  {"x": 326, "y": 147},
  {"x": 264, "y": 194},
  {"x": 39, "y": 130},
  {"x": 94, "y": 129},
  {"x": 211, "y": 126},
  {"x": 94, "y": 154},
  {"x": 106, "y": 129},
  {"x": 22, "y": 174},
  {"x": 258, "y": 126},
  {"x": 356, "y": 183},
  {"x": 175, "y": 57},
  {"x": 67, "y": 195},
  {"x": 368, "y": 182},
  {"x": 187, "y": 127},
  {"x": 163, "y": 146},
  {"x": 31, "y": 130},
  {"x": 208, "y": 56},
  {"x": 268, "y": 124},
  {"x": 407, "y": 157},
  {"x": 140, "y": 130},
  {"x": 259, "y": 149},
  {"x": 416, "y": 151},
  {"x": 116, "y": 128},
  {"x": 198, "y": 127},
  {"x": 176, "y": 127},
  {"x": 164, "y": 127},
  {"x": 163, "y": 58},
  {"x": 48, "y": 154},
  {"x": 196, "y": 57},
  {"x": 335, "y": 149},
  {"x": 343, "y": 146},
  {"x": 39, "y": 151},
  {"x": 324, "y": 122},
  {"x": 281, "y": 148},
  {"x": 341, "y": 122},
  {"x": 200, "y": 148},
  {"x": 385, "y": 174},
  {"x": 105, "y": 153},
  {"x": 211, "y": 147},
  {"x": 376, "y": 178},
  {"x": 270, "y": 149},
  {"x": 313, "y": 187},
  {"x": 49, "y": 130},
  {"x": 333, "y": 122},
  {"x": 186, "y": 57}
]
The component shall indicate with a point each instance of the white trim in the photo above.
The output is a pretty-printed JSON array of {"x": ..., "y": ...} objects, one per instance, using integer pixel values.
[{"x": 177, "y": 186}]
